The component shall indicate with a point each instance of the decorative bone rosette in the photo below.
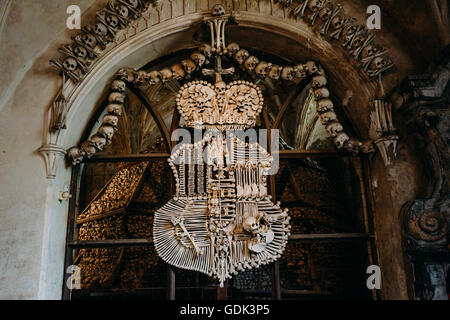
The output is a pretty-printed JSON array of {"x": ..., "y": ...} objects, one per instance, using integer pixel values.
[{"x": 221, "y": 219}]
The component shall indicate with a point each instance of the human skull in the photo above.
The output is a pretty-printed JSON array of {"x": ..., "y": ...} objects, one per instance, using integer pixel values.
[
  {"x": 110, "y": 120},
  {"x": 300, "y": 71},
  {"x": 89, "y": 40},
  {"x": 333, "y": 128},
  {"x": 70, "y": 64},
  {"x": 327, "y": 117},
  {"x": 142, "y": 77},
  {"x": 287, "y": 73},
  {"x": 311, "y": 67},
  {"x": 232, "y": 48},
  {"x": 178, "y": 71},
  {"x": 118, "y": 85},
  {"x": 115, "y": 109},
  {"x": 112, "y": 21},
  {"x": 98, "y": 142},
  {"x": 107, "y": 132},
  {"x": 100, "y": 29},
  {"x": 318, "y": 81},
  {"x": 369, "y": 51},
  {"x": 250, "y": 63},
  {"x": 314, "y": 5},
  {"x": 155, "y": 77},
  {"x": 205, "y": 49},
  {"x": 325, "y": 13},
  {"x": 337, "y": 22},
  {"x": 80, "y": 52},
  {"x": 220, "y": 87},
  {"x": 324, "y": 105},
  {"x": 321, "y": 93},
  {"x": 166, "y": 74},
  {"x": 88, "y": 149},
  {"x": 75, "y": 155},
  {"x": 123, "y": 11},
  {"x": 116, "y": 97},
  {"x": 377, "y": 63},
  {"x": 218, "y": 10},
  {"x": 198, "y": 58},
  {"x": 353, "y": 146},
  {"x": 241, "y": 56},
  {"x": 262, "y": 68},
  {"x": 188, "y": 65},
  {"x": 275, "y": 72},
  {"x": 251, "y": 224},
  {"x": 127, "y": 74},
  {"x": 341, "y": 139}
]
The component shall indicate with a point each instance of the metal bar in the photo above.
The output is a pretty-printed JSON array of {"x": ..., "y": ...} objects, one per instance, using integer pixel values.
[
  {"x": 77, "y": 244},
  {"x": 171, "y": 284},
  {"x": 73, "y": 206},
  {"x": 128, "y": 157},
  {"x": 276, "y": 283}
]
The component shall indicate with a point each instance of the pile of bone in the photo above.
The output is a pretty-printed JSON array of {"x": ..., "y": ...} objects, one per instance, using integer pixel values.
[
  {"x": 106, "y": 228},
  {"x": 105, "y": 132},
  {"x": 140, "y": 226},
  {"x": 97, "y": 266},
  {"x": 138, "y": 260}
]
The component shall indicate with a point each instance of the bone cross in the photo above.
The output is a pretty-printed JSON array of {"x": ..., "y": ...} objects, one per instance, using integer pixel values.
[
  {"x": 179, "y": 221},
  {"x": 218, "y": 70}
]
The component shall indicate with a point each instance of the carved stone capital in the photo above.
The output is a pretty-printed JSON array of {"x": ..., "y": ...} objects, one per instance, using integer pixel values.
[{"x": 51, "y": 152}]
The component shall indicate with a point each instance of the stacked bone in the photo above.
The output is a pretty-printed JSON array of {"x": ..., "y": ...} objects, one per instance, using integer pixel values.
[
  {"x": 106, "y": 131},
  {"x": 106, "y": 228}
]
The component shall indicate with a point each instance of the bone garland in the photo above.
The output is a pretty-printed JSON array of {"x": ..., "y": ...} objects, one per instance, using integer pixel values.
[
  {"x": 334, "y": 23},
  {"x": 106, "y": 131},
  {"x": 78, "y": 57}
]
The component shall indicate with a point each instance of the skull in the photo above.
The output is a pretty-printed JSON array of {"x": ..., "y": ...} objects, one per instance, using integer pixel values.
[
  {"x": 218, "y": 10},
  {"x": 98, "y": 142},
  {"x": 241, "y": 56},
  {"x": 324, "y": 105},
  {"x": 377, "y": 63},
  {"x": 112, "y": 21},
  {"x": 107, "y": 132},
  {"x": 311, "y": 67},
  {"x": 89, "y": 40},
  {"x": 115, "y": 109},
  {"x": 123, "y": 11},
  {"x": 188, "y": 65},
  {"x": 166, "y": 74},
  {"x": 325, "y": 13},
  {"x": 70, "y": 64},
  {"x": 337, "y": 22},
  {"x": 314, "y": 5},
  {"x": 369, "y": 51},
  {"x": 88, "y": 149},
  {"x": 80, "y": 52},
  {"x": 250, "y": 63},
  {"x": 349, "y": 31},
  {"x": 155, "y": 77},
  {"x": 321, "y": 93},
  {"x": 100, "y": 29},
  {"x": 75, "y": 155},
  {"x": 116, "y": 97},
  {"x": 118, "y": 85},
  {"x": 333, "y": 128},
  {"x": 205, "y": 49},
  {"x": 142, "y": 77},
  {"x": 327, "y": 117},
  {"x": 358, "y": 41},
  {"x": 198, "y": 58},
  {"x": 275, "y": 72},
  {"x": 341, "y": 139},
  {"x": 353, "y": 146},
  {"x": 300, "y": 71},
  {"x": 318, "y": 81},
  {"x": 287, "y": 73},
  {"x": 232, "y": 48},
  {"x": 126, "y": 74},
  {"x": 178, "y": 72},
  {"x": 262, "y": 68},
  {"x": 220, "y": 87},
  {"x": 251, "y": 224},
  {"x": 110, "y": 120}
]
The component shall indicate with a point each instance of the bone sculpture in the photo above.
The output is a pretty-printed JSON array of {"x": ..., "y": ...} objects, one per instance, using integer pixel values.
[{"x": 221, "y": 219}]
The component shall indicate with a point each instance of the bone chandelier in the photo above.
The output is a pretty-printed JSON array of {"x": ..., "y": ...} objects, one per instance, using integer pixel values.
[{"x": 221, "y": 219}]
